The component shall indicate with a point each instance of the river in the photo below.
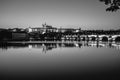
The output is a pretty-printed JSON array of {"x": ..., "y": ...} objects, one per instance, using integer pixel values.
[{"x": 66, "y": 60}]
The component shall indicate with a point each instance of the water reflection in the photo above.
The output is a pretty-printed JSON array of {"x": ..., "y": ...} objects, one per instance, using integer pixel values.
[
  {"x": 71, "y": 59},
  {"x": 49, "y": 46}
]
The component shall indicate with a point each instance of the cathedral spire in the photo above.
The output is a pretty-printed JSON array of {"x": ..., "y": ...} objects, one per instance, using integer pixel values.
[{"x": 44, "y": 25}]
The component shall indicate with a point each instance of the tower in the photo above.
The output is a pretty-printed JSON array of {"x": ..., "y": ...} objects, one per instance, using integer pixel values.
[{"x": 44, "y": 25}]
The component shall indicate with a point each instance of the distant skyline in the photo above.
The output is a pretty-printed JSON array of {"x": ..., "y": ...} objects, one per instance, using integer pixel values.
[{"x": 87, "y": 14}]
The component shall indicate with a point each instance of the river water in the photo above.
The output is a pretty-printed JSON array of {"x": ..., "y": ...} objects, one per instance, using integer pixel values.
[{"x": 60, "y": 60}]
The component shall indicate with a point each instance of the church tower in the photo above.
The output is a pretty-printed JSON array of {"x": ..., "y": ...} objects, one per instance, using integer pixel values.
[{"x": 44, "y": 25}]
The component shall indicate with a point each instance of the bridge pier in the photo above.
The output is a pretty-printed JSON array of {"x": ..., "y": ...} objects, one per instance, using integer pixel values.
[{"x": 91, "y": 37}]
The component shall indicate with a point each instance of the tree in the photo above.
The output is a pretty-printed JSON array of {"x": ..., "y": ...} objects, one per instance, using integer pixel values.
[{"x": 113, "y": 5}]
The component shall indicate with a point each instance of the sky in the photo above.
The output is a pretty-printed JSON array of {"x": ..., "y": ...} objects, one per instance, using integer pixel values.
[{"x": 87, "y": 14}]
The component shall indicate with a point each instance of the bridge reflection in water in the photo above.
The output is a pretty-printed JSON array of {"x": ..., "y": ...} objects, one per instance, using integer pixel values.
[
  {"x": 46, "y": 46},
  {"x": 86, "y": 59}
]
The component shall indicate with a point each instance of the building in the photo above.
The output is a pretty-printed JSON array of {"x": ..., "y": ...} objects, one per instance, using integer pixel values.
[{"x": 44, "y": 29}]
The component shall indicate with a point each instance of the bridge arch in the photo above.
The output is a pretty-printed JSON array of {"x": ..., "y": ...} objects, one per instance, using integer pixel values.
[
  {"x": 92, "y": 37},
  {"x": 117, "y": 38},
  {"x": 104, "y": 38}
]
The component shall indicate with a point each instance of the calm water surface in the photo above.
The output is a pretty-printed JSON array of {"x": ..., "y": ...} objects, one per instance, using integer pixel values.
[{"x": 60, "y": 59}]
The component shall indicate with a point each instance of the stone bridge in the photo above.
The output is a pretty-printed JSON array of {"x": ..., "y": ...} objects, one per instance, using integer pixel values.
[{"x": 92, "y": 37}]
